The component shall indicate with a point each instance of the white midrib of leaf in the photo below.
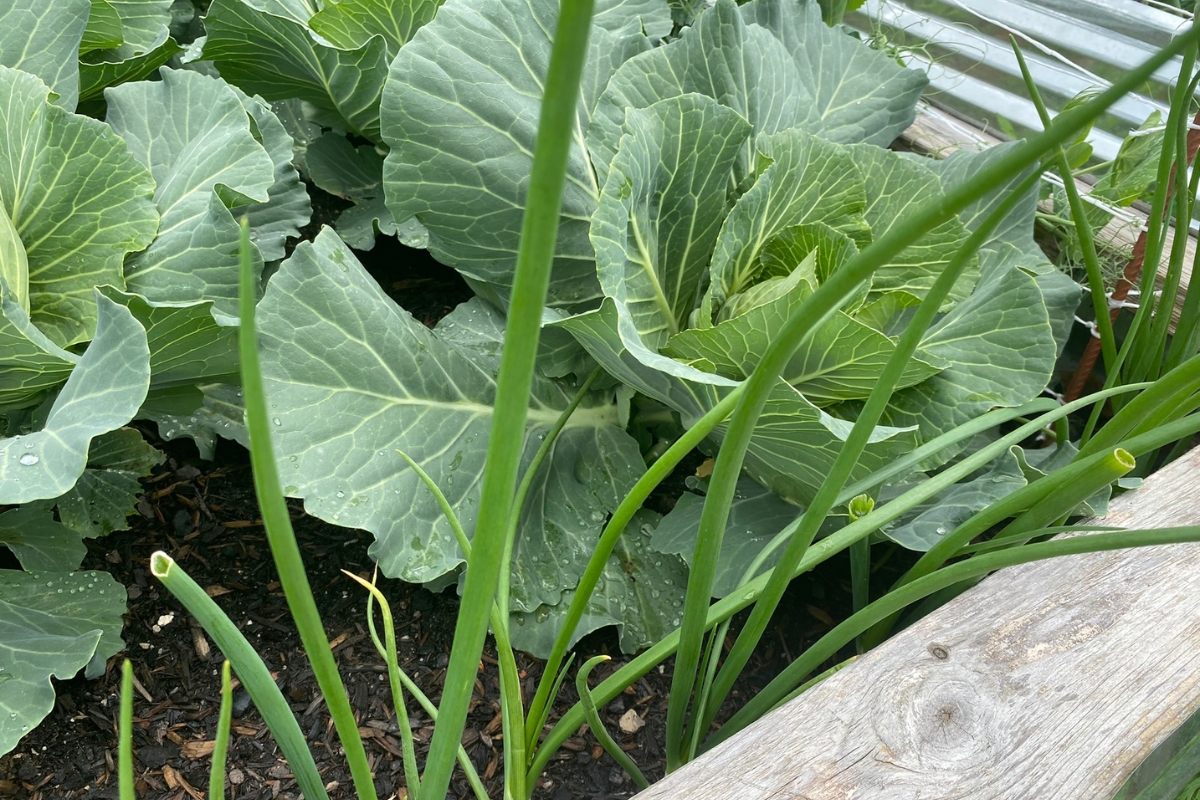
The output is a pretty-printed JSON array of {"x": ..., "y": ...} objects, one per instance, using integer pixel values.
[
  {"x": 595, "y": 417},
  {"x": 660, "y": 297},
  {"x": 581, "y": 142}
]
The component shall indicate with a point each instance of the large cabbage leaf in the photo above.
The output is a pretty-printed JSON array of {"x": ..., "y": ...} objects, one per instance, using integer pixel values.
[
  {"x": 713, "y": 184},
  {"x": 106, "y": 493},
  {"x": 841, "y": 361},
  {"x": 661, "y": 209},
  {"x": 740, "y": 66},
  {"x": 30, "y": 364},
  {"x": 641, "y": 592},
  {"x": 755, "y": 516},
  {"x": 78, "y": 200},
  {"x": 352, "y": 378},
  {"x": 41, "y": 37},
  {"x": 460, "y": 113},
  {"x": 222, "y": 156},
  {"x": 860, "y": 94},
  {"x": 807, "y": 181},
  {"x": 194, "y": 135},
  {"x": 269, "y": 49},
  {"x": 139, "y": 44},
  {"x": 351, "y": 24},
  {"x": 794, "y": 444},
  {"x": 287, "y": 208},
  {"x": 51, "y": 624},
  {"x": 103, "y": 393}
]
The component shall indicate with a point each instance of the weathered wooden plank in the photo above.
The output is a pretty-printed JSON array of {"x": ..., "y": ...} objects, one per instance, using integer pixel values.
[
  {"x": 1048, "y": 680},
  {"x": 938, "y": 134}
]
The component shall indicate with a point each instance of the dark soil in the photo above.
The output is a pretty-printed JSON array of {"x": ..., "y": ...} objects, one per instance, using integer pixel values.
[
  {"x": 208, "y": 520},
  {"x": 206, "y": 516}
]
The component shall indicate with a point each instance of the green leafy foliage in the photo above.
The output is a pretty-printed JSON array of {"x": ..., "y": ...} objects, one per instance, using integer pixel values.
[
  {"x": 725, "y": 163},
  {"x": 39, "y": 542},
  {"x": 356, "y": 174},
  {"x": 204, "y": 159},
  {"x": 928, "y": 523},
  {"x": 78, "y": 200},
  {"x": 616, "y": 231},
  {"x": 118, "y": 277},
  {"x": 755, "y": 516},
  {"x": 51, "y": 624},
  {"x": 640, "y": 592},
  {"x": 478, "y": 67},
  {"x": 103, "y": 393},
  {"x": 270, "y": 50},
  {"x": 130, "y": 39},
  {"x": 715, "y": 182},
  {"x": 105, "y": 494},
  {"x": 326, "y": 328},
  {"x": 41, "y": 37}
]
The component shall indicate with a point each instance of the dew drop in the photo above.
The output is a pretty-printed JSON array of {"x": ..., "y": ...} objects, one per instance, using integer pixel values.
[
  {"x": 340, "y": 493},
  {"x": 29, "y": 459},
  {"x": 277, "y": 421},
  {"x": 941, "y": 530}
]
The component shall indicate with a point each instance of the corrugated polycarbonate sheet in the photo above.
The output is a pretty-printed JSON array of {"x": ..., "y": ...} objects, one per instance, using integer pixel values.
[{"x": 1070, "y": 45}]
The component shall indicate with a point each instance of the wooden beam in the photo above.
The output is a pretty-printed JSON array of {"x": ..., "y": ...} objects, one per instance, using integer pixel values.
[
  {"x": 1051, "y": 680},
  {"x": 938, "y": 134}
]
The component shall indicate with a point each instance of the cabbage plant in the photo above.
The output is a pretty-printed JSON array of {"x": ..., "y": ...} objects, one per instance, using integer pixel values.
[
  {"x": 1158, "y": 414},
  {"x": 716, "y": 179}
]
